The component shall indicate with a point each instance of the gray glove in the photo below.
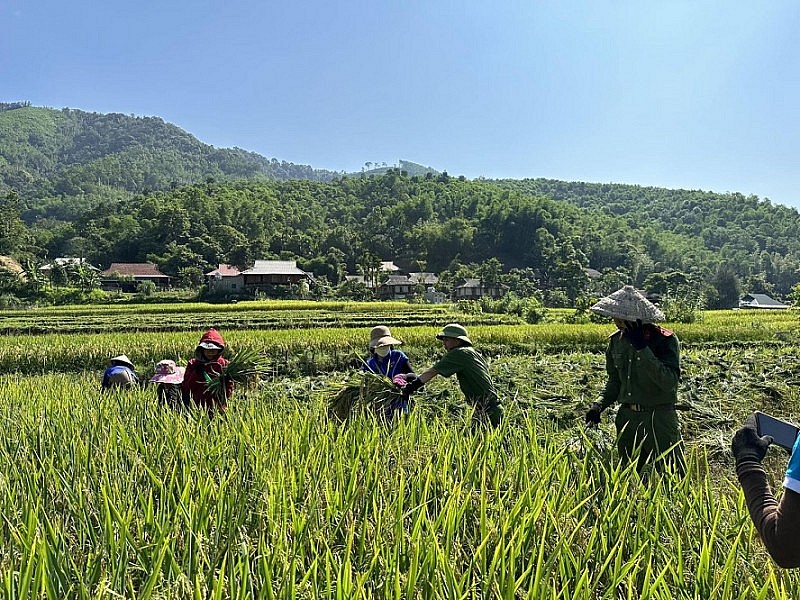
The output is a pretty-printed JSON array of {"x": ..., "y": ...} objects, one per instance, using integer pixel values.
[{"x": 747, "y": 445}]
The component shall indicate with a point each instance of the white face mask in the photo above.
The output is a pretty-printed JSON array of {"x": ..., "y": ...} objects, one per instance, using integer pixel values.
[{"x": 382, "y": 351}]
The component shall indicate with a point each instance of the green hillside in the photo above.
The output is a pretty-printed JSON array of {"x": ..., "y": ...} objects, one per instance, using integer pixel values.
[
  {"x": 132, "y": 189},
  {"x": 46, "y": 152}
]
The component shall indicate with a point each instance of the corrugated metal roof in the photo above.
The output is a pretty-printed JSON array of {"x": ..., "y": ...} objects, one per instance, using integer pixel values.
[
  {"x": 274, "y": 267},
  {"x": 147, "y": 269}
]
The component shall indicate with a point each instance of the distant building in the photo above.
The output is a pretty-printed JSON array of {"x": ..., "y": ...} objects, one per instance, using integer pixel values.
[
  {"x": 225, "y": 279},
  {"x": 431, "y": 296},
  {"x": 395, "y": 287},
  {"x": 761, "y": 301},
  {"x": 11, "y": 266},
  {"x": 114, "y": 278},
  {"x": 67, "y": 262},
  {"x": 471, "y": 289},
  {"x": 273, "y": 272},
  {"x": 359, "y": 279},
  {"x": 389, "y": 266},
  {"x": 425, "y": 279},
  {"x": 592, "y": 273}
]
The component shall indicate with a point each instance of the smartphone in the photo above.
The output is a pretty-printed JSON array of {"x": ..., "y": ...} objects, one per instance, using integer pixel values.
[{"x": 783, "y": 434}]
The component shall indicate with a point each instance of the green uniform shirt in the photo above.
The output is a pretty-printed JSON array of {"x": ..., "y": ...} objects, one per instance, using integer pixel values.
[
  {"x": 472, "y": 372},
  {"x": 647, "y": 377}
]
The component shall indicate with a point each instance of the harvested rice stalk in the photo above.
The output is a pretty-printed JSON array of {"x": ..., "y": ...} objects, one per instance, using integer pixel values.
[
  {"x": 244, "y": 368},
  {"x": 362, "y": 391}
]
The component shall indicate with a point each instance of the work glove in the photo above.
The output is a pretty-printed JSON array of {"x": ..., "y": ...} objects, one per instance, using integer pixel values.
[
  {"x": 412, "y": 386},
  {"x": 747, "y": 445},
  {"x": 635, "y": 334},
  {"x": 403, "y": 379},
  {"x": 593, "y": 414}
]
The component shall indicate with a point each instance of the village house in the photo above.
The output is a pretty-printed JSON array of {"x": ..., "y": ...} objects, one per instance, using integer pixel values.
[
  {"x": 431, "y": 296},
  {"x": 395, "y": 287},
  {"x": 426, "y": 279},
  {"x": 67, "y": 262},
  {"x": 359, "y": 279},
  {"x": 389, "y": 266},
  {"x": 265, "y": 273},
  {"x": 472, "y": 289},
  {"x": 125, "y": 276},
  {"x": 225, "y": 279},
  {"x": 761, "y": 301}
]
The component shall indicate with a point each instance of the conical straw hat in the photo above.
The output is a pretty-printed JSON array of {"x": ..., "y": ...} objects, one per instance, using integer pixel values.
[
  {"x": 628, "y": 304},
  {"x": 122, "y": 359}
]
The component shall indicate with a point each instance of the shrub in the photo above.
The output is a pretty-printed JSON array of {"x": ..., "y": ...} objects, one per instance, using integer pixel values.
[{"x": 683, "y": 309}]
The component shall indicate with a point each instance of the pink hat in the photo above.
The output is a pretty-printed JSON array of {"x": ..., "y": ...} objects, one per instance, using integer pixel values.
[{"x": 167, "y": 372}]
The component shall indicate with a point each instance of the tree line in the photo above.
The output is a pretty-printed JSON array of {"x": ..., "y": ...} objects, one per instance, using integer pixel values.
[{"x": 560, "y": 245}]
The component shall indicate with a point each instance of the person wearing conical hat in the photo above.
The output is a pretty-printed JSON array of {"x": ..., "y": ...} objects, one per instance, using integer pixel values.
[
  {"x": 643, "y": 366},
  {"x": 120, "y": 374},
  {"x": 385, "y": 359},
  {"x": 471, "y": 370}
]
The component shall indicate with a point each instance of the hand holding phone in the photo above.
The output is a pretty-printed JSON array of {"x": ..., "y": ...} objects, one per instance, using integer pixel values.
[{"x": 782, "y": 433}]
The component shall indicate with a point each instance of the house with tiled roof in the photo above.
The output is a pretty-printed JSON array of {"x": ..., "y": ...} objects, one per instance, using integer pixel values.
[
  {"x": 225, "y": 279},
  {"x": 132, "y": 273},
  {"x": 360, "y": 279}
]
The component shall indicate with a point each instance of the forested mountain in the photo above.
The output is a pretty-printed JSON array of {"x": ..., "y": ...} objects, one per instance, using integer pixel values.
[
  {"x": 46, "y": 153},
  {"x": 462, "y": 228},
  {"x": 109, "y": 188}
]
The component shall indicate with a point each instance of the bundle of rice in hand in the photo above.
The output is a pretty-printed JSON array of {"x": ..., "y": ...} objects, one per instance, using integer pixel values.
[
  {"x": 362, "y": 391},
  {"x": 244, "y": 368}
]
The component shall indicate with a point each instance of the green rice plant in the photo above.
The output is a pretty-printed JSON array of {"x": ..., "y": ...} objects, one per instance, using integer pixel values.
[
  {"x": 111, "y": 495},
  {"x": 362, "y": 391}
]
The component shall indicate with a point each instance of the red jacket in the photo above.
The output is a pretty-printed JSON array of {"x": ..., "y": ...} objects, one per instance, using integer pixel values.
[{"x": 194, "y": 380}]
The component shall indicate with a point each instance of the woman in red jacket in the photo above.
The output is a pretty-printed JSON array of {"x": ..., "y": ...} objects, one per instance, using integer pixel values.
[{"x": 207, "y": 361}]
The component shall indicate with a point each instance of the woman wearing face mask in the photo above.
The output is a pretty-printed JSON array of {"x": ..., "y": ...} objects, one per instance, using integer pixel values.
[{"x": 383, "y": 358}]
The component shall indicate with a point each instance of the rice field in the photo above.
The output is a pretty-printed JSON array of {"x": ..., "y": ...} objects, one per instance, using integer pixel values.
[{"x": 108, "y": 496}]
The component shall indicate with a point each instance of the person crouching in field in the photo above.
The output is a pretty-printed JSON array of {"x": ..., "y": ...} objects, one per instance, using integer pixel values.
[
  {"x": 207, "y": 361},
  {"x": 643, "y": 366},
  {"x": 119, "y": 374},
  {"x": 778, "y": 523},
  {"x": 384, "y": 359},
  {"x": 168, "y": 379},
  {"x": 471, "y": 370}
]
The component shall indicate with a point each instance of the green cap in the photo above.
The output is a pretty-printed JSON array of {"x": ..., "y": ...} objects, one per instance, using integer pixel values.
[{"x": 454, "y": 330}]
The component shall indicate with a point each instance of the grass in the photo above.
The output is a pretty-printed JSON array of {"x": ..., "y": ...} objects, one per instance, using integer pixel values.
[
  {"x": 112, "y": 496},
  {"x": 107, "y": 495}
]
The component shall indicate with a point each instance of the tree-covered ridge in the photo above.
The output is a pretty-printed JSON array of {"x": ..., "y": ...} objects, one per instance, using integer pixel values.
[
  {"x": 46, "y": 152},
  {"x": 729, "y": 220},
  {"x": 113, "y": 188},
  {"x": 457, "y": 227}
]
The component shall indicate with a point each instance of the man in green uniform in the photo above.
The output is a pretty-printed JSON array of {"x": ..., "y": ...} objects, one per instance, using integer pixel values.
[
  {"x": 469, "y": 367},
  {"x": 643, "y": 366}
]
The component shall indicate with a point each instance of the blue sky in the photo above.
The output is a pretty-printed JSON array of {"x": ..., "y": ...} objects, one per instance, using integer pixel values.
[{"x": 680, "y": 94}]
